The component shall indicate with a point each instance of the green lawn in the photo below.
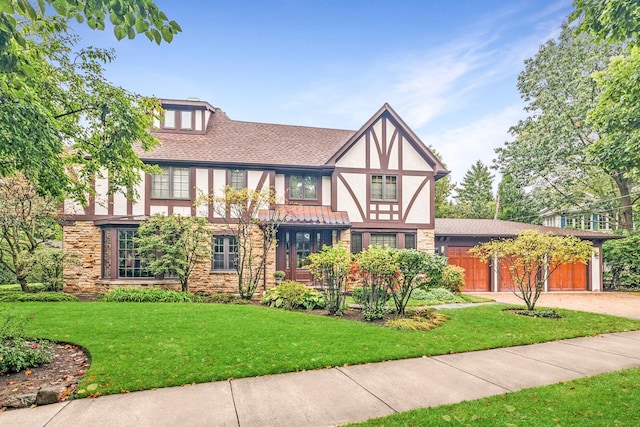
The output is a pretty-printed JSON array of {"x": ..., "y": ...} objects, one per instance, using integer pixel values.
[
  {"x": 604, "y": 400},
  {"x": 136, "y": 346}
]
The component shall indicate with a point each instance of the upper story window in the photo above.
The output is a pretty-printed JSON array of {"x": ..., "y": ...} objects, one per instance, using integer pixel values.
[
  {"x": 185, "y": 120},
  {"x": 173, "y": 183},
  {"x": 303, "y": 187},
  {"x": 236, "y": 179},
  {"x": 384, "y": 187},
  {"x": 170, "y": 119}
]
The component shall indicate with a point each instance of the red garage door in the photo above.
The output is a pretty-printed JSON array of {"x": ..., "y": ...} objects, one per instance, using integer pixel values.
[
  {"x": 476, "y": 273},
  {"x": 569, "y": 277}
]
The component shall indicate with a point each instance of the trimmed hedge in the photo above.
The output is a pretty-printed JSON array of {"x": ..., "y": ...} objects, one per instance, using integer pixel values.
[
  {"x": 39, "y": 297},
  {"x": 128, "y": 294}
]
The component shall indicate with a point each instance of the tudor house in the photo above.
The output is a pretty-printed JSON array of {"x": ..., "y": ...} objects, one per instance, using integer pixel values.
[{"x": 371, "y": 186}]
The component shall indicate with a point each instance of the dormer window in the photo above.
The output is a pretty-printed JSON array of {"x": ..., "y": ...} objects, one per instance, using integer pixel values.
[
  {"x": 170, "y": 119},
  {"x": 185, "y": 120}
]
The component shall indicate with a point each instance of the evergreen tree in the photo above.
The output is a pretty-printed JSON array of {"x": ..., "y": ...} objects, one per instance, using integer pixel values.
[
  {"x": 474, "y": 197},
  {"x": 444, "y": 188},
  {"x": 514, "y": 204}
]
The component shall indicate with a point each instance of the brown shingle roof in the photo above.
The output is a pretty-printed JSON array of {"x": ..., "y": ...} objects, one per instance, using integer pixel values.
[
  {"x": 497, "y": 228},
  {"x": 235, "y": 142}
]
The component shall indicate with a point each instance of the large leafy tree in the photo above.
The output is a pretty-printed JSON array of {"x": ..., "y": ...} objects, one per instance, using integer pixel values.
[
  {"x": 474, "y": 198},
  {"x": 174, "y": 245},
  {"x": 550, "y": 146},
  {"x": 61, "y": 121}
]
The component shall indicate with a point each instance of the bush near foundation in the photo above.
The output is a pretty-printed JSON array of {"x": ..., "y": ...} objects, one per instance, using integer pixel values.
[
  {"x": 129, "y": 294},
  {"x": 291, "y": 295}
]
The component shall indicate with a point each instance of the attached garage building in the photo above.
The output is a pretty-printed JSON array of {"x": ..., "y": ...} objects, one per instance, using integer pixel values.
[{"x": 454, "y": 238}]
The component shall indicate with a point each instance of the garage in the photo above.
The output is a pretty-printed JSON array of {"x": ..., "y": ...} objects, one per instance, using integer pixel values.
[
  {"x": 454, "y": 237},
  {"x": 476, "y": 273},
  {"x": 569, "y": 277}
]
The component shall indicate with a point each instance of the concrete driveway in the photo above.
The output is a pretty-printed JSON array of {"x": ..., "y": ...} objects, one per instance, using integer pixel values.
[{"x": 615, "y": 303}]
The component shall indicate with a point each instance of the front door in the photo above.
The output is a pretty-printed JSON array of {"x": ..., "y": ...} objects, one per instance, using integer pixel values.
[{"x": 294, "y": 246}]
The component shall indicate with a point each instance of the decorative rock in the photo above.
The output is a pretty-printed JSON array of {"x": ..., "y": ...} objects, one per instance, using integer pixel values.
[
  {"x": 47, "y": 396},
  {"x": 21, "y": 401}
]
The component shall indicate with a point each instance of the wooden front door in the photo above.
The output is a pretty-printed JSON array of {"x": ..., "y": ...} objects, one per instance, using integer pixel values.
[{"x": 294, "y": 246}]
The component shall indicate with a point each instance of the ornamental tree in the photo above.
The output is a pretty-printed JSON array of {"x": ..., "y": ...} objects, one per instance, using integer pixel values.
[
  {"x": 532, "y": 257},
  {"x": 26, "y": 222},
  {"x": 414, "y": 268},
  {"x": 330, "y": 267},
  {"x": 377, "y": 268},
  {"x": 173, "y": 245},
  {"x": 252, "y": 218}
]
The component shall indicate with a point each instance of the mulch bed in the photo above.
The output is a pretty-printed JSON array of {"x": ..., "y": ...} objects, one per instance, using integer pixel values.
[{"x": 63, "y": 374}]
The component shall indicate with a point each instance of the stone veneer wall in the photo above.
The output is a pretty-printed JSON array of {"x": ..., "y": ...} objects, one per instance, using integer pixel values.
[
  {"x": 83, "y": 239},
  {"x": 426, "y": 240}
]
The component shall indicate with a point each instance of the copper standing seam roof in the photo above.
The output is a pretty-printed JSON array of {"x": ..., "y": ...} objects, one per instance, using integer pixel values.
[
  {"x": 498, "y": 228},
  {"x": 318, "y": 216}
]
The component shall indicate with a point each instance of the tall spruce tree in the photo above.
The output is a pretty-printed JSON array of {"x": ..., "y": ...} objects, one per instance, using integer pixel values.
[{"x": 474, "y": 198}]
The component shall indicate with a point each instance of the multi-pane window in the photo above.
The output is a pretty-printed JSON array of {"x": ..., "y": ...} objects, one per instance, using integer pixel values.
[
  {"x": 409, "y": 241},
  {"x": 236, "y": 179},
  {"x": 225, "y": 250},
  {"x": 172, "y": 183},
  {"x": 303, "y": 187},
  {"x": 384, "y": 187},
  {"x": 356, "y": 243},
  {"x": 129, "y": 262},
  {"x": 170, "y": 119},
  {"x": 383, "y": 239},
  {"x": 185, "y": 120}
]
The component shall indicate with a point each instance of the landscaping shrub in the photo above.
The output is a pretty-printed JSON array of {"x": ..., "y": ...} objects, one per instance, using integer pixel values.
[
  {"x": 225, "y": 299},
  {"x": 439, "y": 296},
  {"x": 420, "y": 319},
  {"x": 38, "y": 297},
  {"x": 33, "y": 287},
  {"x": 453, "y": 278},
  {"x": 360, "y": 295},
  {"x": 420, "y": 294},
  {"x": 16, "y": 352},
  {"x": 129, "y": 294},
  {"x": 330, "y": 268},
  {"x": 291, "y": 295},
  {"x": 548, "y": 313},
  {"x": 622, "y": 257}
]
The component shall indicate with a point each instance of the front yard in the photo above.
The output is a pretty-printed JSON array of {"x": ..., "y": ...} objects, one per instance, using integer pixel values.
[{"x": 135, "y": 346}]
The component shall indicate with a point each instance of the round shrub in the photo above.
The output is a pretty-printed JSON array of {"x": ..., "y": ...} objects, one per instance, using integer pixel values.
[
  {"x": 291, "y": 295},
  {"x": 129, "y": 294},
  {"x": 361, "y": 294},
  {"x": 225, "y": 299},
  {"x": 440, "y": 296},
  {"x": 39, "y": 297},
  {"x": 453, "y": 278}
]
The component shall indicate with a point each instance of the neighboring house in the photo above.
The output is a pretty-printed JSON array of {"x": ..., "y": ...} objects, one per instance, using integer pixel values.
[
  {"x": 579, "y": 220},
  {"x": 365, "y": 187},
  {"x": 371, "y": 186}
]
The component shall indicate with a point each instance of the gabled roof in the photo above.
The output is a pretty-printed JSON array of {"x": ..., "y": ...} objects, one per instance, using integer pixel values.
[
  {"x": 413, "y": 139},
  {"x": 229, "y": 141},
  {"x": 496, "y": 228}
]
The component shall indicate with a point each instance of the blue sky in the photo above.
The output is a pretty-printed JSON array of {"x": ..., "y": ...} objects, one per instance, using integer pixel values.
[{"x": 449, "y": 68}]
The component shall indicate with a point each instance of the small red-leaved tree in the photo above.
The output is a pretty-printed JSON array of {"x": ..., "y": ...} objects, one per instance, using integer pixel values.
[{"x": 532, "y": 257}]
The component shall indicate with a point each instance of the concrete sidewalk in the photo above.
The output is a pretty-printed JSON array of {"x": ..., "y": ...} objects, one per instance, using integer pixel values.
[{"x": 347, "y": 394}]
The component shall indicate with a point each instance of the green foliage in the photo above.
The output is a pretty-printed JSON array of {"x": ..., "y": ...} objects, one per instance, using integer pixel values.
[
  {"x": 532, "y": 257},
  {"x": 37, "y": 297},
  {"x": 452, "y": 278},
  {"x": 413, "y": 267},
  {"x": 418, "y": 319},
  {"x": 548, "y": 313},
  {"x": 33, "y": 287},
  {"x": 443, "y": 189},
  {"x": 610, "y": 20},
  {"x": 361, "y": 295},
  {"x": 437, "y": 296},
  {"x": 622, "y": 257},
  {"x": 377, "y": 268},
  {"x": 514, "y": 203},
  {"x": 129, "y": 294},
  {"x": 16, "y": 352},
  {"x": 330, "y": 267},
  {"x": 27, "y": 220},
  {"x": 174, "y": 245},
  {"x": 291, "y": 295},
  {"x": 225, "y": 299},
  {"x": 48, "y": 266},
  {"x": 548, "y": 152},
  {"x": 474, "y": 198}
]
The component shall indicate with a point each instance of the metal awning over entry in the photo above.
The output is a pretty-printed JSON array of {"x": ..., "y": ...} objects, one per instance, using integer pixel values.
[{"x": 310, "y": 216}]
